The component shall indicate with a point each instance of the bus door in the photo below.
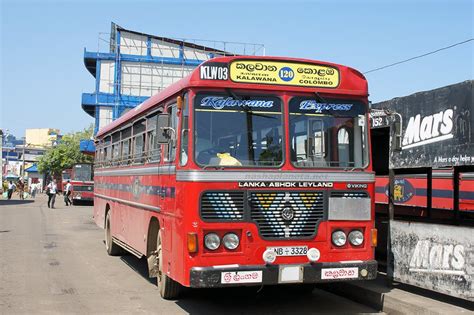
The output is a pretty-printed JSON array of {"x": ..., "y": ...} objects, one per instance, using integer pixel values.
[{"x": 168, "y": 177}]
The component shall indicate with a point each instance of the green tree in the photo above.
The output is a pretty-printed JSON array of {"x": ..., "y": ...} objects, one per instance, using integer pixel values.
[{"x": 65, "y": 153}]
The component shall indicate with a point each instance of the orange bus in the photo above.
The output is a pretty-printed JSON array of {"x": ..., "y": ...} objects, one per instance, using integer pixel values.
[{"x": 249, "y": 171}]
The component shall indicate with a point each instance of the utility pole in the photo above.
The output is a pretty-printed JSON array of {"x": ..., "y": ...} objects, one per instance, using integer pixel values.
[
  {"x": 23, "y": 157},
  {"x": 1, "y": 159}
]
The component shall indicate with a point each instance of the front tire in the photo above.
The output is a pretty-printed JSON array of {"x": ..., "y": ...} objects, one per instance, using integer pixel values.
[
  {"x": 169, "y": 289},
  {"x": 112, "y": 248}
]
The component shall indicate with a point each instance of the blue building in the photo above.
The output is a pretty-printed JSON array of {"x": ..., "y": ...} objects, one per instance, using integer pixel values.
[{"x": 138, "y": 65}]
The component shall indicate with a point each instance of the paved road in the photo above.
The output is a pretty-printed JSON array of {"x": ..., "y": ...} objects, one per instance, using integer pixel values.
[{"x": 54, "y": 261}]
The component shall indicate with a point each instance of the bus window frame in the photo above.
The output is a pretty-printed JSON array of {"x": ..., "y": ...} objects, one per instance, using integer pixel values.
[
  {"x": 116, "y": 148},
  {"x": 173, "y": 143},
  {"x": 259, "y": 93},
  {"x": 139, "y": 158},
  {"x": 150, "y": 156},
  {"x": 185, "y": 114},
  {"x": 365, "y": 144}
]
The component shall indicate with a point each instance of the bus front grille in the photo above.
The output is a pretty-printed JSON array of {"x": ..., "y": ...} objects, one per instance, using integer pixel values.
[
  {"x": 222, "y": 206},
  {"x": 83, "y": 188},
  {"x": 287, "y": 215}
]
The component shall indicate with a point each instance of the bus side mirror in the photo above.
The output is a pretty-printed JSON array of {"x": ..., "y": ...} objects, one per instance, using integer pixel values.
[
  {"x": 397, "y": 136},
  {"x": 163, "y": 130}
]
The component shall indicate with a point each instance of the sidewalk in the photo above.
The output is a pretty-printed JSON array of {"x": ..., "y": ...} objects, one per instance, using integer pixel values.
[{"x": 401, "y": 299}]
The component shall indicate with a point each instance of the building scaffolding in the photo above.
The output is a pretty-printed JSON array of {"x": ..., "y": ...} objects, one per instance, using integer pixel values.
[{"x": 130, "y": 66}]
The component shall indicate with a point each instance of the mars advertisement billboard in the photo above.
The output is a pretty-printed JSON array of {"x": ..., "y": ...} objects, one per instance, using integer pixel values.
[{"x": 437, "y": 127}]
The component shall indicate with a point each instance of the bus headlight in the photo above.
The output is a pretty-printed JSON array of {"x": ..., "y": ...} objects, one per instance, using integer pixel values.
[
  {"x": 212, "y": 241},
  {"x": 231, "y": 241},
  {"x": 356, "y": 237},
  {"x": 339, "y": 238}
]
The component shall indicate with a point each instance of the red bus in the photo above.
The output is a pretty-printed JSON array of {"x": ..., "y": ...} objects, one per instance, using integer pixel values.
[
  {"x": 82, "y": 181},
  {"x": 65, "y": 176},
  {"x": 249, "y": 171}
]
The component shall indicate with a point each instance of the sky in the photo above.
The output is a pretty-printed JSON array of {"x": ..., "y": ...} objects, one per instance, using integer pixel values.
[{"x": 42, "y": 72}]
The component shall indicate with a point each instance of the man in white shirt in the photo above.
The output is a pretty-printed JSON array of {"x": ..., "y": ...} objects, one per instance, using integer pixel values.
[
  {"x": 53, "y": 190},
  {"x": 67, "y": 193},
  {"x": 11, "y": 189}
]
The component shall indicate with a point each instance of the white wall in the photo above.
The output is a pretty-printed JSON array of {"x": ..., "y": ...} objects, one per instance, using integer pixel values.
[
  {"x": 196, "y": 54},
  {"x": 105, "y": 116},
  {"x": 107, "y": 72},
  {"x": 146, "y": 79},
  {"x": 132, "y": 44},
  {"x": 164, "y": 49}
]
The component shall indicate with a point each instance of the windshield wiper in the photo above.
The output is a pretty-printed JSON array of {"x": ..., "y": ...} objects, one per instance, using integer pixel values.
[
  {"x": 217, "y": 167},
  {"x": 351, "y": 169}
]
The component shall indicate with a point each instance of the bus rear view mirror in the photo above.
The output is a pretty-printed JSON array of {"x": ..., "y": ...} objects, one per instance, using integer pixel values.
[
  {"x": 163, "y": 129},
  {"x": 397, "y": 136}
]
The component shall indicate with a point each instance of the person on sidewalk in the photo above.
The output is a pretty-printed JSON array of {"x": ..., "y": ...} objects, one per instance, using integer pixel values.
[
  {"x": 51, "y": 190},
  {"x": 67, "y": 193},
  {"x": 11, "y": 189}
]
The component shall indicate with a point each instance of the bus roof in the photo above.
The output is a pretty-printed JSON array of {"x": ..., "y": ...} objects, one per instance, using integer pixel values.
[{"x": 259, "y": 73}]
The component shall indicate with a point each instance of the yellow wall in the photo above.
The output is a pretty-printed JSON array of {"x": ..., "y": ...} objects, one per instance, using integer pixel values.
[{"x": 41, "y": 136}]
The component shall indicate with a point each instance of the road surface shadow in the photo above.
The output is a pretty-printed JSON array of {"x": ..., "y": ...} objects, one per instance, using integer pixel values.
[
  {"x": 15, "y": 202},
  {"x": 140, "y": 266},
  {"x": 283, "y": 299}
]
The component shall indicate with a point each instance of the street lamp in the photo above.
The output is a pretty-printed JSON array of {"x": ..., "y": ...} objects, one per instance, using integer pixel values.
[{"x": 4, "y": 136}]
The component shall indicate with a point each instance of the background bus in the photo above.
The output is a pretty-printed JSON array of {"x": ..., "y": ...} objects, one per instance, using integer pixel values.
[
  {"x": 249, "y": 171},
  {"x": 82, "y": 181}
]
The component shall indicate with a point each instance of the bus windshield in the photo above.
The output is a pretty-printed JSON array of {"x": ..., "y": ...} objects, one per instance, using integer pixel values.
[
  {"x": 82, "y": 172},
  {"x": 237, "y": 130},
  {"x": 66, "y": 176},
  {"x": 327, "y": 133}
]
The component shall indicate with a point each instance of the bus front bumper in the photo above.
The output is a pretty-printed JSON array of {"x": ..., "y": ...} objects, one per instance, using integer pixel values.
[{"x": 237, "y": 275}]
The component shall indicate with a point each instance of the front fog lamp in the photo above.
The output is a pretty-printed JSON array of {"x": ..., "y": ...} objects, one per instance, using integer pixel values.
[
  {"x": 212, "y": 241},
  {"x": 356, "y": 237},
  {"x": 230, "y": 241},
  {"x": 313, "y": 254},
  {"x": 269, "y": 256},
  {"x": 339, "y": 238}
]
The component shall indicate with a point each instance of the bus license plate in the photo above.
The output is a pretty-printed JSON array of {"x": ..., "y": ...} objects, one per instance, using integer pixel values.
[{"x": 290, "y": 250}]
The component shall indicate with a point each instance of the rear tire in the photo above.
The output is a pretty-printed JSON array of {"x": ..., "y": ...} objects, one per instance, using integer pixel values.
[
  {"x": 169, "y": 289},
  {"x": 112, "y": 248}
]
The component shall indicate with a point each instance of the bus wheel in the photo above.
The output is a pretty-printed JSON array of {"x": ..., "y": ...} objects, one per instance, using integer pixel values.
[
  {"x": 112, "y": 248},
  {"x": 169, "y": 289}
]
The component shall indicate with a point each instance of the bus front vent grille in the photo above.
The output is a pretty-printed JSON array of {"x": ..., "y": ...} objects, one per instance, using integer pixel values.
[
  {"x": 287, "y": 215},
  {"x": 222, "y": 206},
  {"x": 349, "y": 194},
  {"x": 83, "y": 188}
]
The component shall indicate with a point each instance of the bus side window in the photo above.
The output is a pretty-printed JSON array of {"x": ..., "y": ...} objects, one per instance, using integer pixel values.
[
  {"x": 173, "y": 123},
  {"x": 126, "y": 145},
  {"x": 183, "y": 151},
  {"x": 139, "y": 141},
  {"x": 116, "y": 149},
  {"x": 153, "y": 148},
  {"x": 107, "y": 151},
  {"x": 98, "y": 153}
]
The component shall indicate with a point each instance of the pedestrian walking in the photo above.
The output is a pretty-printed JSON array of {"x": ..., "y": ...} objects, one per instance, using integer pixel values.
[
  {"x": 51, "y": 191},
  {"x": 21, "y": 189},
  {"x": 67, "y": 193},
  {"x": 33, "y": 188},
  {"x": 11, "y": 189}
]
